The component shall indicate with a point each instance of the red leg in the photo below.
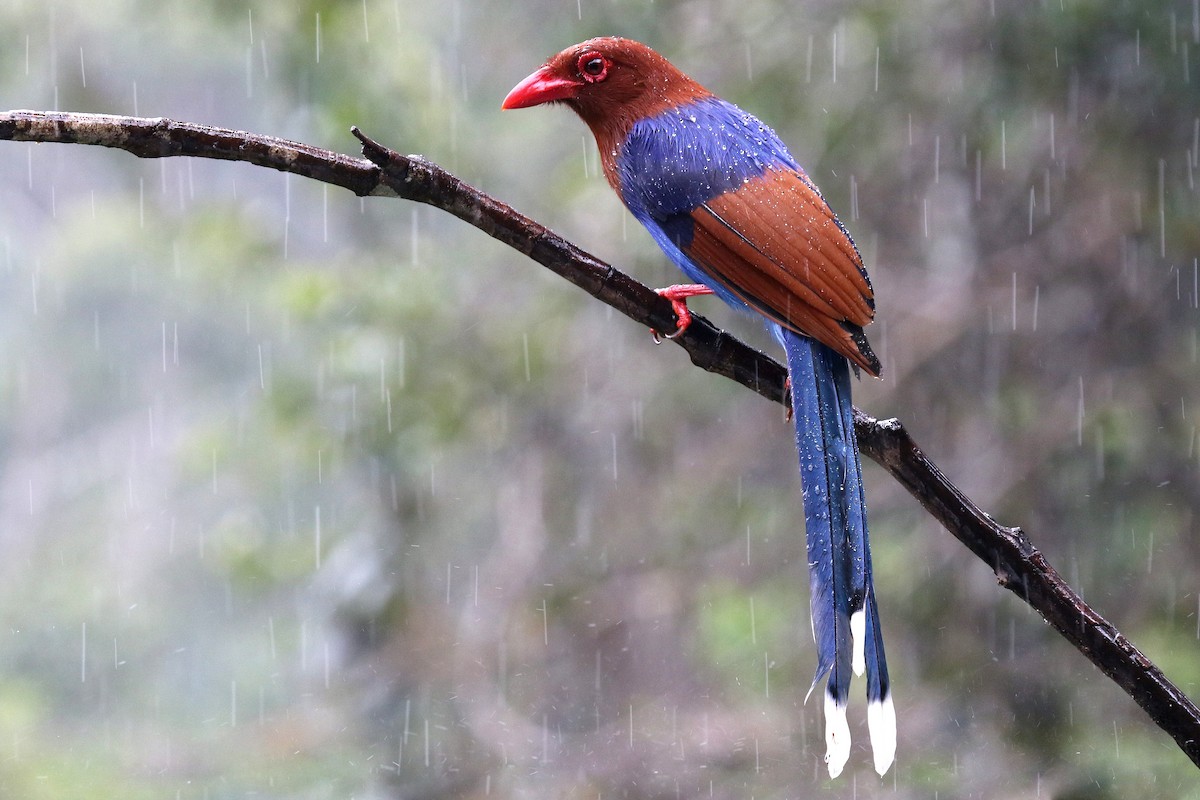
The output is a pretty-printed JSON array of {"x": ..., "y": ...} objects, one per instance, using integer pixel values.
[{"x": 678, "y": 295}]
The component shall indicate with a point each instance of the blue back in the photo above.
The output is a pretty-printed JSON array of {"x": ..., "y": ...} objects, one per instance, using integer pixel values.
[{"x": 672, "y": 163}]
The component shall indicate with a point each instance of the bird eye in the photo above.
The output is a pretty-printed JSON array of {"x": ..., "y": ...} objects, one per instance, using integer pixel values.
[{"x": 592, "y": 67}]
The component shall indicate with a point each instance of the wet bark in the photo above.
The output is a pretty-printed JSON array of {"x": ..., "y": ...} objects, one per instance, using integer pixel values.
[{"x": 1019, "y": 566}]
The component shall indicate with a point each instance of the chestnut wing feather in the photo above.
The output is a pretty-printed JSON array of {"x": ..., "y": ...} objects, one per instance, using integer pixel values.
[{"x": 777, "y": 245}]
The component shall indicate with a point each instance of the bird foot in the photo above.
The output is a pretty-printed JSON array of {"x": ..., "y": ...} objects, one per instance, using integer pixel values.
[{"x": 678, "y": 295}]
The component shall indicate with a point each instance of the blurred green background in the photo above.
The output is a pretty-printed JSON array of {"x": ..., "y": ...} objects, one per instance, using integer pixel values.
[{"x": 308, "y": 496}]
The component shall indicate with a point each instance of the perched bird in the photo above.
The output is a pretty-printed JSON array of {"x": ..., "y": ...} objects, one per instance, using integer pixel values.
[{"x": 727, "y": 203}]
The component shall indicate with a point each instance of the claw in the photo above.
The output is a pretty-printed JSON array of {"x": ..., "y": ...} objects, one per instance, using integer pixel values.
[{"x": 678, "y": 294}]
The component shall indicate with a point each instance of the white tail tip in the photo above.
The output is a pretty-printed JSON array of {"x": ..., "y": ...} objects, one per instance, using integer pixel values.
[
  {"x": 881, "y": 723},
  {"x": 858, "y": 630},
  {"x": 837, "y": 736}
]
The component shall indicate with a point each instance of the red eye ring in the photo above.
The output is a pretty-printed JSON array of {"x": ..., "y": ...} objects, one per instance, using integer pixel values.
[{"x": 592, "y": 66}]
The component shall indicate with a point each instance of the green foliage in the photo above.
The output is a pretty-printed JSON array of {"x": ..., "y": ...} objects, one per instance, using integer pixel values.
[{"x": 739, "y": 631}]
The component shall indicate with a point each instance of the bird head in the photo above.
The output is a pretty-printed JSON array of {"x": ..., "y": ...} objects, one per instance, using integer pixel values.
[{"x": 607, "y": 81}]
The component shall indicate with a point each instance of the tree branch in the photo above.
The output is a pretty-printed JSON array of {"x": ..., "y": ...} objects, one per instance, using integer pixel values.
[{"x": 1018, "y": 565}]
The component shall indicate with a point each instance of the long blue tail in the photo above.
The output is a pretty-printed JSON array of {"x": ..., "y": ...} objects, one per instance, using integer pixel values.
[{"x": 845, "y": 619}]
